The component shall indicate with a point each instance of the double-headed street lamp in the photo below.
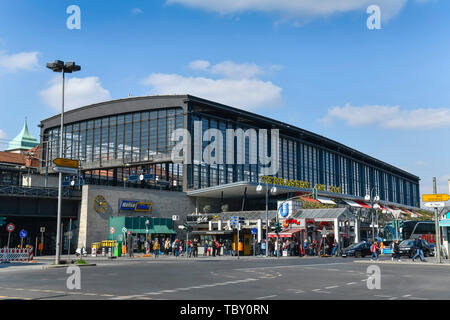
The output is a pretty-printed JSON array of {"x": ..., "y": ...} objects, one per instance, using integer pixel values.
[
  {"x": 68, "y": 67},
  {"x": 273, "y": 190},
  {"x": 374, "y": 199}
]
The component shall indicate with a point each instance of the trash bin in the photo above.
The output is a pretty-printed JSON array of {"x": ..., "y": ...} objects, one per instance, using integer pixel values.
[{"x": 118, "y": 249}]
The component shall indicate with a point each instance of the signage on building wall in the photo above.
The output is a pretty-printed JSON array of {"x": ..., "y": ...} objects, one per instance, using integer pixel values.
[
  {"x": 137, "y": 206},
  {"x": 299, "y": 184}
]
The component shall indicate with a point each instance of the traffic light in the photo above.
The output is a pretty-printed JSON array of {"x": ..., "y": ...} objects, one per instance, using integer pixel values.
[
  {"x": 315, "y": 193},
  {"x": 2, "y": 221},
  {"x": 277, "y": 227}
]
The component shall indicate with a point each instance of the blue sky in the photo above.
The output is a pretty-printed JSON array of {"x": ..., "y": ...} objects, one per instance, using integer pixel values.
[{"x": 313, "y": 64}]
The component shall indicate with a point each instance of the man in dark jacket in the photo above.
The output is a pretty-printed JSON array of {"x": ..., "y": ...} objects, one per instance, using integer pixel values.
[
  {"x": 419, "y": 249},
  {"x": 395, "y": 251}
]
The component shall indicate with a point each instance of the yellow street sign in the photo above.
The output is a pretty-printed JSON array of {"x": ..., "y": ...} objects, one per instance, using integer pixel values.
[
  {"x": 435, "y": 197},
  {"x": 68, "y": 163}
]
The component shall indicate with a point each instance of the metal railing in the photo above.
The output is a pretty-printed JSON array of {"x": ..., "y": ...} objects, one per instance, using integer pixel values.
[{"x": 36, "y": 192}]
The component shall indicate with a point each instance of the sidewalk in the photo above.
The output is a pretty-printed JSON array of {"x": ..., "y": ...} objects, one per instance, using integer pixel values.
[{"x": 432, "y": 261}]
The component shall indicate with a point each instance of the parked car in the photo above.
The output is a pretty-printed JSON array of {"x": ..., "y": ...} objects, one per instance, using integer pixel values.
[
  {"x": 407, "y": 248},
  {"x": 357, "y": 250}
]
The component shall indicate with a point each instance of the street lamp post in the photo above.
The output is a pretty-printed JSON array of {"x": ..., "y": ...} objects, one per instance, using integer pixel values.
[
  {"x": 373, "y": 200},
  {"x": 272, "y": 190},
  {"x": 68, "y": 67}
]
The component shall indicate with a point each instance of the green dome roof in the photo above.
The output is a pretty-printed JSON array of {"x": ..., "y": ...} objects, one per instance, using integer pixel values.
[{"x": 24, "y": 140}]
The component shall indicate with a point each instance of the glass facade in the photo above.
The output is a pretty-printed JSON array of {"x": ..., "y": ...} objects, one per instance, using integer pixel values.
[
  {"x": 119, "y": 140},
  {"x": 142, "y": 139},
  {"x": 298, "y": 160}
]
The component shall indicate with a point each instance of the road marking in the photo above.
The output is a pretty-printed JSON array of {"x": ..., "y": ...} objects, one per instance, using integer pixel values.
[
  {"x": 331, "y": 287},
  {"x": 393, "y": 298},
  {"x": 406, "y": 295},
  {"x": 155, "y": 293},
  {"x": 108, "y": 295},
  {"x": 416, "y": 298},
  {"x": 89, "y": 294},
  {"x": 320, "y": 291},
  {"x": 350, "y": 283},
  {"x": 168, "y": 291},
  {"x": 382, "y": 296},
  {"x": 266, "y": 297}
]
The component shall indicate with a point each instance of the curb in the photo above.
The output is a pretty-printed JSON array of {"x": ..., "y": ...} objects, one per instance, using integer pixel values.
[
  {"x": 68, "y": 265},
  {"x": 404, "y": 262}
]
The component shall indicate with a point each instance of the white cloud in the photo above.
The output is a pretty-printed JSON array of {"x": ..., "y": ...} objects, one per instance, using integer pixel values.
[
  {"x": 202, "y": 65},
  {"x": 421, "y": 163},
  {"x": 390, "y": 117},
  {"x": 3, "y": 135},
  {"x": 294, "y": 8},
  {"x": 244, "y": 93},
  {"x": 78, "y": 92},
  {"x": 233, "y": 70},
  {"x": 137, "y": 11},
  {"x": 10, "y": 63}
]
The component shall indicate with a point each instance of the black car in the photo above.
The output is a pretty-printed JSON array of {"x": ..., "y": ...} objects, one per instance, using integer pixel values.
[
  {"x": 407, "y": 248},
  {"x": 357, "y": 250}
]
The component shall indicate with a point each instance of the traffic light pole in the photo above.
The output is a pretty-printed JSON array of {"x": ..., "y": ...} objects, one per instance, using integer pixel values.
[{"x": 238, "y": 228}]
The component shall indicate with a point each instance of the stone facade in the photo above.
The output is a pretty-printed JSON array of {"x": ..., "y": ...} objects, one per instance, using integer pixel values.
[{"x": 94, "y": 225}]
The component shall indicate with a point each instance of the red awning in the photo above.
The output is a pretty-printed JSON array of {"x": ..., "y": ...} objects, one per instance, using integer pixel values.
[
  {"x": 287, "y": 233},
  {"x": 363, "y": 204},
  {"x": 309, "y": 199}
]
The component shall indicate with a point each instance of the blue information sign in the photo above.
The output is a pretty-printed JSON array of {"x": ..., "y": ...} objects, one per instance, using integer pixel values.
[
  {"x": 23, "y": 234},
  {"x": 254, "y": 231}
]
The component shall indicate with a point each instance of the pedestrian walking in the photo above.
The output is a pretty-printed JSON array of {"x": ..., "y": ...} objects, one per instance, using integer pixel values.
[
  {"x": 205, "y": 248},
  {"x": 263, "y": 248},
  {"x": 156, "y": 248},
  {"x": 395, "y": 250},
  {"x": 374, "y": 249},
  {"x": 419, "y": 249},
  {"x": 195, "y": 248}
]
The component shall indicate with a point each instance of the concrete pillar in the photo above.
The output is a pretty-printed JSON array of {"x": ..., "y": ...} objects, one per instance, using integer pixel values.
[
  {"x": 336, "y": 231},
  {"x": 259, "y": 227},
  {"x": 357, "y": 239}
]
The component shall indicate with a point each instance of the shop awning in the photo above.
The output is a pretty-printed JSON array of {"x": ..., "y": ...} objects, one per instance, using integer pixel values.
[
  {"x": 384, "y": 207},
  {"x": 160, "y": 229},
  {"x": 352, "y": 203},
  {"x": 325, "y": 200},
  {"x": 363, "y": 204},
  {"x": 309, "y": 199},
  {"x": 287, "y": 233}
]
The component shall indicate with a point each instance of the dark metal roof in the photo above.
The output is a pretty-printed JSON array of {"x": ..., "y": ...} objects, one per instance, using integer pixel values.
[{"x": 135, "y": 104}]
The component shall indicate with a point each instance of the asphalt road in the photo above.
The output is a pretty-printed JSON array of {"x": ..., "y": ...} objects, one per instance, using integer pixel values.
[{"x": 222, "y": 279}]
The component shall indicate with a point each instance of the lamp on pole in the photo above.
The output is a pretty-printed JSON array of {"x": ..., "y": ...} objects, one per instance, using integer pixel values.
[
  {"x": 68, "y": 67},
  {"x": 272, "y": 190},
  {"x": 373, "y": 200}
]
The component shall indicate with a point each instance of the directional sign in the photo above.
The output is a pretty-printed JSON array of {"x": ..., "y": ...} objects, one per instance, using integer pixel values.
[
  {"x": 23, "y": 234},
  {"x": 10, "y": 227},
  {"x": 435, "y": 197},
  {"x": 124, "y": 230},
  {"x": 435, "y": 204},
  {"x": 65, "y": 170},
  {"x": 68, "y": 163},
  {"x": 254, "y": 231},
  {"x": 112, "y": 230}
]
